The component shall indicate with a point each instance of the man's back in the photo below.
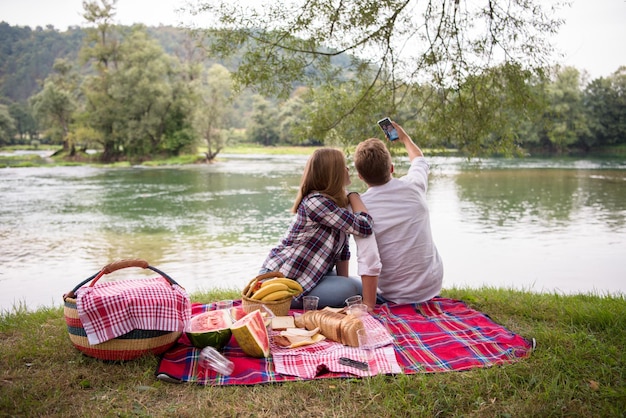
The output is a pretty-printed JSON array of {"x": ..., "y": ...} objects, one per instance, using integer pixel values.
[{"x": 412, "y": 270}]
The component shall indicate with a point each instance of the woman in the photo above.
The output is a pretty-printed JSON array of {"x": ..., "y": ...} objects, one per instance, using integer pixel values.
[{"x": 317, "y": 240}]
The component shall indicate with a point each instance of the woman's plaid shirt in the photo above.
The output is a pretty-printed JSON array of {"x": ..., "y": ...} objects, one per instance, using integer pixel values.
[{"x": 317, "y": 238}]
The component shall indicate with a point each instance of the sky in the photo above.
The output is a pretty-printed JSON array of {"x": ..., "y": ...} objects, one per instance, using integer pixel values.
[{"x": 592, "y": 38}]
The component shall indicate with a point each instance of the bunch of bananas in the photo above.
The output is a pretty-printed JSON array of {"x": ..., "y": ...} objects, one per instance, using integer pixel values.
[{"x": 273, "y": 289}]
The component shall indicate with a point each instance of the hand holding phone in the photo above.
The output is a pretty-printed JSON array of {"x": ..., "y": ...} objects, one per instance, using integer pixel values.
[{"x": 388, "y": 129}]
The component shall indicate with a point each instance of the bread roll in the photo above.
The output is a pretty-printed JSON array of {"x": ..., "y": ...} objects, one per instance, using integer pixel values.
[
  {"x": 349, "y": 327},
  {"x": 334, "y": 326}
]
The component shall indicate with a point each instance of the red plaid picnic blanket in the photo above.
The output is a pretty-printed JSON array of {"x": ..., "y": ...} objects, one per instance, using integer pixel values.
[
  {"x": 111, "y": 309},
  {"x": 435, "y": 336}
]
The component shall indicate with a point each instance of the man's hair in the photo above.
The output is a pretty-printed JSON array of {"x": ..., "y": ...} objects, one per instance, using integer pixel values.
[
  {"x": 325, "y": 172},
  {"x": 372, "y": 161}
]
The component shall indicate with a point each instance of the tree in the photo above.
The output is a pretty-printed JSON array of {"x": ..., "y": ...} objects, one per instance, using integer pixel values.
[
  {"x": 101, "y": 48},
  {"x": 153, "y": 99},
  {"x": 139, "y": 101},
  {"x": 325, "y": 102},
  {"x": 490, "y": 116},
  {"x": 7, "y": 126},
  {"x": 263, "y": 127},
  {"x": 605, "y": 104},
  {"x": 290, "y": 118},
  {"x": 24, "y": 121},
  {"x": 55, "y": 104},
  {"x": 215, "y": 105},
  {"x": 393, "y": 46},
  {"x": 565, "y": 121}
]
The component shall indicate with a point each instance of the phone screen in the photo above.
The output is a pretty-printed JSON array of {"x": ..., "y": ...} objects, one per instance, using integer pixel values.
[{"x": 388, "y": 129}]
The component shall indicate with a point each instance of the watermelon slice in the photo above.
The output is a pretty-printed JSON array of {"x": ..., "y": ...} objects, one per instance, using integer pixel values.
[
  {"x": 238, "y": 313},
  {"x": 210, "y": 328},
  {"x": 251, "y": 335}
]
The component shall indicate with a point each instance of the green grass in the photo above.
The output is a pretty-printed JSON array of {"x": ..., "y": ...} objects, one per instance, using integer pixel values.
[
  {"x": 244, "y": 149},
  {"x": 613, "y": 151},
  {"x": 21, "y": 161},
  {"x": 186, "y": 159},
  {"x": 577, "y": 370}
]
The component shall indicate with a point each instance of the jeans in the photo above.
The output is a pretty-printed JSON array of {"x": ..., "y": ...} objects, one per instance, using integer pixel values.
[{"x": 333, "y": 291}]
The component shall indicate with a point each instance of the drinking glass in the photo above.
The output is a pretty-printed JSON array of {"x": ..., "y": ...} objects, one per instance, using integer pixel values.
[
  {"x": 224, "y": 304},
  {"x": 309, "y": 303},
  {"x": 210, "y": 358},
  {"x": 353, "y": 300},
  {"x": 366, "y": 346},
  {"x": 357, "y": 309}
]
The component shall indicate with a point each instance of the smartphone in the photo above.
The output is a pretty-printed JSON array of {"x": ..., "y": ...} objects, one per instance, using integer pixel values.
[
  {"x": 353, "y": 363},
  {"x": 388, "y": 129}
]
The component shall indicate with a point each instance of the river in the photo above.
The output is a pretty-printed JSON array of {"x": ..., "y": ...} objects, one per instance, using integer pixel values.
[{"x": 539, "y": 225}]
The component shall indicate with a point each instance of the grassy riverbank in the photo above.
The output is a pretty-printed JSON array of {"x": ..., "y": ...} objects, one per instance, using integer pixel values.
[
  {"x": 31, "y": 160},
  {"x": 35, "y": 160},
  {"x": 578, "y": 369}
]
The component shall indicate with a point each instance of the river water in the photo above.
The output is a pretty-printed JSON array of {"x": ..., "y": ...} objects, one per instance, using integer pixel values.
[{"x": 556, "y": 225}]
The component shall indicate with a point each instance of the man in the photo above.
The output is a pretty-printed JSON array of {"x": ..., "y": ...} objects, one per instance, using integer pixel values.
[{"x": 412, "y": 270}]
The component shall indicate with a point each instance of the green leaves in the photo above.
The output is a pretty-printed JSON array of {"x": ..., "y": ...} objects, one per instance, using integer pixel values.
[
  {"x": 138, "y": 100},
  {"x": 55, "y": 104},
  {"x": 7, "y": 125},
  {"x": 391, "y": 51}
]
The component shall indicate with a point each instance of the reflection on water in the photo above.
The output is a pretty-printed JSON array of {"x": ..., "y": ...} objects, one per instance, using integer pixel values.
[
  {"x": 530, "y": 226},
  {"x": 539, "y": 225},
  {"x": 541, "y": 198}
]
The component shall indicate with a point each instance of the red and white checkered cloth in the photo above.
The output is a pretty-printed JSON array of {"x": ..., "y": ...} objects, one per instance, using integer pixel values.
[
  {"x": 111, "y": 309},
  {"x": 308, "y": 361}
]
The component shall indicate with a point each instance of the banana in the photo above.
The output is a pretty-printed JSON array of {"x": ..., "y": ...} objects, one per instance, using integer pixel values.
[
  {"x": 292, "y": 284},
  {"x": 277, "y": 295},
  {"x": 266, "y": 290}
]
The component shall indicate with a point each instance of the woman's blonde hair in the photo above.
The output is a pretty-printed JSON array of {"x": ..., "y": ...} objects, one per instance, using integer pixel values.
[
  {"x": 325, "y": 172},
  {"x": 372, "y": 161}
]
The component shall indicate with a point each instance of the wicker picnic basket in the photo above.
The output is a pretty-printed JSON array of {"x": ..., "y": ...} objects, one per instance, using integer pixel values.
[
  {"x": 129, "y": 346},
  {"x": 279, "y": 307}
]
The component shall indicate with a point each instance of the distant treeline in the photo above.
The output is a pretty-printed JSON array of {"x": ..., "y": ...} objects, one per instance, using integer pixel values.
[{"x": 141, "y": 92}]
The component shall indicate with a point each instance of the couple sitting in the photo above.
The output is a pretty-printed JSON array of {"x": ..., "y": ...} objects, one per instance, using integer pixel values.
[{"x": 397, "y": 259}]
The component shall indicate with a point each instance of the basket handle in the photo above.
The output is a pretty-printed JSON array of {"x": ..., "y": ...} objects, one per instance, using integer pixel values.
[
  {"x": 114, "y": 266},
  {"x": 269, "y": 275},
  {"x": 122, "y": 264},
  {"x": 250, "y": 286}
]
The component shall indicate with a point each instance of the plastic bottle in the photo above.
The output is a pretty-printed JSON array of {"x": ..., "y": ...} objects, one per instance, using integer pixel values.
[{"x": 210, "y": 358}]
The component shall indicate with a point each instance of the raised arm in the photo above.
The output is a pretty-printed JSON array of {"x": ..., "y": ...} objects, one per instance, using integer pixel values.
[{"x": 412, "y": 148}]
